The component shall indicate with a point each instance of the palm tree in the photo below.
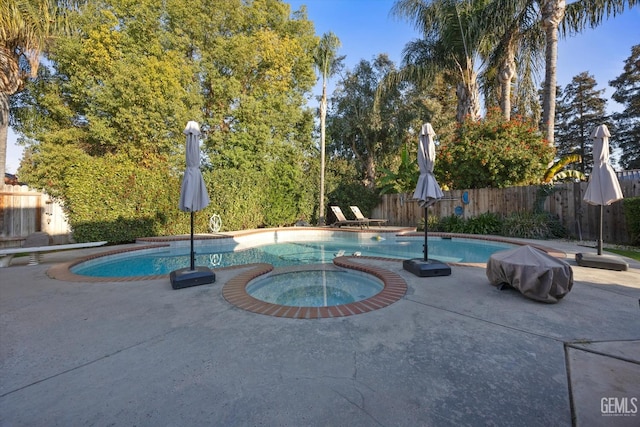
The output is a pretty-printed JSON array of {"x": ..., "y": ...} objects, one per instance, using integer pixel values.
[
  {"x": 555, "y": 17},
  {"x": 25, "y": 29},
  {"x": 517, "y": 40},
  {"x": 452, "y": 40},
  {"x": 552, "y": 12},
  {"x": 328, "y": 64},
  {"x": 572, "y": 18}
]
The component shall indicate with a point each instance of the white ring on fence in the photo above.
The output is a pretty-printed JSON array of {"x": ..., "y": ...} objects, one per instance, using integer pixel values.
[{"x": 215, "y": 223}]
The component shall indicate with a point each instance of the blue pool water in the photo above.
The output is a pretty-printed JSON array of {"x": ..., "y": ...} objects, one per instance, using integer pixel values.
[
  {"x": 146, "y": 263},
  {"x": 314, "y": 288}
]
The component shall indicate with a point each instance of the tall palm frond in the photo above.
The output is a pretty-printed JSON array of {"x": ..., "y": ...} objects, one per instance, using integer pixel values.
[
  {"x": 517, "y": 41},
  {"x": 582, "y": 14},
  {"x": 452, "y": 39},
  {"x": 26, "y": 29}
]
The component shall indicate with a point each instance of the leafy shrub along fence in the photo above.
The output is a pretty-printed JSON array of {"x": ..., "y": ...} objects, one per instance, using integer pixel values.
[
  {"x": 632, "y": 215},
  {"x": 564, "y": 203},
  {"x": 526, "y": 225}
]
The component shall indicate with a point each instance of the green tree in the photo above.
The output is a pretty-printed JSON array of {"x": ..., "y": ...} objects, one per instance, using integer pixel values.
[
  {"x": 256, "y": 67},
  {"x": 627, "y": 121},
  {"x": 328, "y": 64},
  {"x": 580, "y": 110},
  {"x": 492, "y": 152},
  {"x": 555, "y": 18},
  {"x": 364, "y": 128},
  {"x": 118, "y": 85},
  {"x": 123, "y": 85},
  {"x": 402, "y": 181}
]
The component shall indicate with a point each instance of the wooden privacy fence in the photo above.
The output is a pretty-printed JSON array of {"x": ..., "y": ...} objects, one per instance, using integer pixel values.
[
  {"x": 566, "y": 202},
  {"x": 24, "y": 211}
]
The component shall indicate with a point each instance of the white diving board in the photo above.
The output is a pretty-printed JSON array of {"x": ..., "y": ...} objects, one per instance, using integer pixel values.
[{"x": 7, "y": 254}]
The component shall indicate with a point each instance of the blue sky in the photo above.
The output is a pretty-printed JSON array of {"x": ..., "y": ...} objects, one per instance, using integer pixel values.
[{"x": 366, "y": 29}]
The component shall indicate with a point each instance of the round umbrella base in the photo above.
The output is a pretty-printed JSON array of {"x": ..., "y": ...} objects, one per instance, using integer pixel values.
[
  {"x": 428, "y": 268},
  {"x": 185, "y": 277}
]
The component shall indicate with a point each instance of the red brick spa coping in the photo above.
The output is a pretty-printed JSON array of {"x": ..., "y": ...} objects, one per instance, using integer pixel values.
[{"x": 234, "y": 291}]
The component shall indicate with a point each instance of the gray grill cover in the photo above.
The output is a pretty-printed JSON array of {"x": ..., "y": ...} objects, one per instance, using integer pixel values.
[{"x": 536, "y": 274}]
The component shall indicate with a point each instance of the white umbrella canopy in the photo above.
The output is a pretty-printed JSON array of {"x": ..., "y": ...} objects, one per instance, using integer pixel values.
[
  {"x": 603, "y": 188},
  {"x": 193, "y": 194},
  {"x": 427, "y": 191}
]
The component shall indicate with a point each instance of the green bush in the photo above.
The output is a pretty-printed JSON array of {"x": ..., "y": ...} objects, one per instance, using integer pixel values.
[
  {"x": 237, "y": 196},
  {"x": 522, "y": 224},
  {"x": 115, "y": 199},
  {"x": 120, "y": 230},
  {"x": 493, "y": 153},
  {"x": 631, "y": 208},
  {"x": 434, "y": 224},
  {"x": 287, "y": 194},
  {"x": 452, "y": 224},
  {"x": 528, "y": 225},
  {"x": 486, "y": 223},
  {"x": 352, "y": 194}
]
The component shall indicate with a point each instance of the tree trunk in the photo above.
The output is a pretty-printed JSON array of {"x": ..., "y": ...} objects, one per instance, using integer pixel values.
[
  {"x": 505, "y": 77},
  {"x": 468, "y": 97},
  {"x": 10, "y": 82},
  {"x": 323, "y": 118},
  {"x": 4, "y": 126},
  {"x": 369, "y": 172},
  {"x": 552, "y": 14}
]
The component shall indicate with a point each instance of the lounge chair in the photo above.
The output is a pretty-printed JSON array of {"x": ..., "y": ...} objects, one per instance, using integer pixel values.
[
  {"x": 342, "y": 220},
  {"x": 356, "y": 211}
]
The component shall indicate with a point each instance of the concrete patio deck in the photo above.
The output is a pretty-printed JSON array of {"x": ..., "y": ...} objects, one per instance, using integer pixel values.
[{"x": 454, "y": 351}]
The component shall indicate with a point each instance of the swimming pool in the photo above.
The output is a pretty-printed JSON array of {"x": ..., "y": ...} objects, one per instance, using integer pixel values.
[{"x": 287, "y": 249}]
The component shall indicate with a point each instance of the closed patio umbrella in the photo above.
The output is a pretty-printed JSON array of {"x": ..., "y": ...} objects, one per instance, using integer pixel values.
[
  {"x": 427, "y": 193},
  {"x": 427, "y": 190},
  {"x": 602, "y": 190},
  {"x": 193, "y": 198},
  {"x": 193, "y": 194}
]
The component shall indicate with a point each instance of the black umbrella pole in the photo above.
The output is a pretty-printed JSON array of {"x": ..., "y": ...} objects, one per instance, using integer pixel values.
[
  {"x": 600, "y": 235},
  {"x": 193, "y": 254},
  {"x": 426, "y": 245}
]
